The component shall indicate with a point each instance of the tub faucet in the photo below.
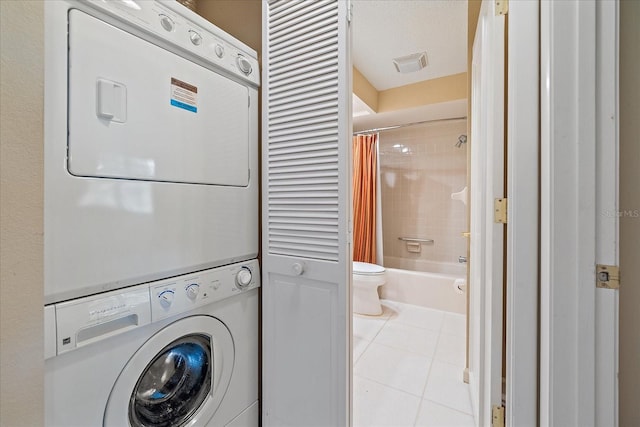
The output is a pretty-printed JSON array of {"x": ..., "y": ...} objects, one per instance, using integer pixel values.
[{"x": 462, "y": 259}]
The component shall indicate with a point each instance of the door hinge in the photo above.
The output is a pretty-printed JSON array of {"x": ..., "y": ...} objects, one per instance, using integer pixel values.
[
  {"x": 607, "y": 276},
  {"x": 500, "y": 211},
  {"x": 349, "y": 11},
  {"x": 502, "y": 7},
  {"x": 497, "y": 416}
]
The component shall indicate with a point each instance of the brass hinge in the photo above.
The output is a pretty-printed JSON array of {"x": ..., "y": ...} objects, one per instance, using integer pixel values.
[
  {"x": 607, "y": 276},
  {"x": 500, "y": 211},
  {"x": 497, "y": 416},
  {"x": 502, "y": 7}
]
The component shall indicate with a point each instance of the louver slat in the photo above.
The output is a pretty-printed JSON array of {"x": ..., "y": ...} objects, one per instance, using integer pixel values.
[
  {"x": 302, "y": 131},
  {"x": 312, "y": 63},
  {"x": 292, "y": 16}
]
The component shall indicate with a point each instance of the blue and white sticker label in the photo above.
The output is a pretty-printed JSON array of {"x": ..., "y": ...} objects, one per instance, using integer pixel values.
[{"x": 184, "y": 95}]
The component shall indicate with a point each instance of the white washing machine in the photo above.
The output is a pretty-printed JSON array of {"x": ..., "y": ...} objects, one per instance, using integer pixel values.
[
  {"x": 176, "y": 352},
  {"x": 151, "y": 145}
]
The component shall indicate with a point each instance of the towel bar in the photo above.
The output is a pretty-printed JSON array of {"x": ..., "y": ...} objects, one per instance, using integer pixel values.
[{"x": 415, "y": 240}]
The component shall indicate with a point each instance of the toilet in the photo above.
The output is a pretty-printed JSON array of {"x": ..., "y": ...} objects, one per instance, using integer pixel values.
[{"x": 366, "y": 279}]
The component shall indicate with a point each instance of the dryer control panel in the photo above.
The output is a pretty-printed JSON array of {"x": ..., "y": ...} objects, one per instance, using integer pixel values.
[
  {"x": 180, "y": 294},
  {"x": 173, "y": 23}
]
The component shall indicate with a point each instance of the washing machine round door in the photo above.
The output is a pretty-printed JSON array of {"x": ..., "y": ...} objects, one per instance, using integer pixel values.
[{"x": 177, "y": 378}]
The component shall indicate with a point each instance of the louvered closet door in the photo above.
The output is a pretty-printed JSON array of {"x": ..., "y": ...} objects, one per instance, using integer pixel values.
[{"x": 306, "y": 257}]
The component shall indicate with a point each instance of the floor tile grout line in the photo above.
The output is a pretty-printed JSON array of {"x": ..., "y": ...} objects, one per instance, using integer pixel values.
[
  {"x": 368, "y": 345},
  {"x": 397, "y": 308},
  {"x": 426, "y": 383},
  {"x": 411, "y": 325},
  {"x": 448, "y": 407},
  {"x": 413, "y": 353},
  {"x": 390, "y": 386},
  {"x": 441, "y": 403},
  {"x": 420, "y": 396},
  {"x": 361, "y": 354}
]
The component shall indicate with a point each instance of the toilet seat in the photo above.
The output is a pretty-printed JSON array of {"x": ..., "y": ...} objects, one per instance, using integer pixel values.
[{"x": 367, "y": 269}]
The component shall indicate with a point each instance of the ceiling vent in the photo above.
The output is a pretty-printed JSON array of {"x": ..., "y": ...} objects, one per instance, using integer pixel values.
[{"x": 411, "y": 63}]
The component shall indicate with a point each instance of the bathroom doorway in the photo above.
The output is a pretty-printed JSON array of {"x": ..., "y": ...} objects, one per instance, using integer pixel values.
[{"x": 409, "y": 361}]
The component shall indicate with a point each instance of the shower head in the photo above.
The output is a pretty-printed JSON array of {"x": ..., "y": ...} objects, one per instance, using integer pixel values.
[{"x": 462, "y": 139}]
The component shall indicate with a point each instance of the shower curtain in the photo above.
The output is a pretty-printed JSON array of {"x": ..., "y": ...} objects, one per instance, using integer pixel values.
[{"x": 364, "y": 197}]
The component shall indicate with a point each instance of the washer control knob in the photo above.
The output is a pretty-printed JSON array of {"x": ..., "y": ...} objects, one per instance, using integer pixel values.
[
  {"x": 166, "y": 22},
  {"x": 195, "y": 38},
  {"x": 166, "y": 298},
  {"x": 244, "y": 65},
  {"x": 219, "y": 49},
  {"x": 192, "y": 290},
  {"x": 243, "y": 278}
]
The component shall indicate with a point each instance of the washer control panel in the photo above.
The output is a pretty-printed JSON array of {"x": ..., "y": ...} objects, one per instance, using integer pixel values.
[
  {"x": 86, "y": 320},
  {"x": 173, "y": 23},
  {"x": 180, "y": 294}
]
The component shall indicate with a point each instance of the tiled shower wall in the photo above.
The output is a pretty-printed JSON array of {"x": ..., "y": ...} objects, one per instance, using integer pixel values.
[{"x": 420, "y": 167}]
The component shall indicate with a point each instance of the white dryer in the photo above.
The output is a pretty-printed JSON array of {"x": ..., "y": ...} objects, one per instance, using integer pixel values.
[
  {"x": 151, "y": 156},
  {"x": 177, "y": 352}
]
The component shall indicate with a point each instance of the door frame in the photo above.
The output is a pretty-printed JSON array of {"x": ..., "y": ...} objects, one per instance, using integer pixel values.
[
  {"x": 578, "y": 336},
  {"x": 488, "y": 132},
  {"x": 523, "y": 150},
  {"x": 522, "y": 245}
]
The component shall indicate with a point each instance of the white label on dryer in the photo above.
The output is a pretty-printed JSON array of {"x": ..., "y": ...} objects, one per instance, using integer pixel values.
[{"x": 184, "y": 95}]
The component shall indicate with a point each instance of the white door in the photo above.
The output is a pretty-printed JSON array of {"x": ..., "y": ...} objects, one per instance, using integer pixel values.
[
  {"x": 579, "y": 205},
  {"x": 487, "y": 248},
  {"x": 306, "y": 206}
]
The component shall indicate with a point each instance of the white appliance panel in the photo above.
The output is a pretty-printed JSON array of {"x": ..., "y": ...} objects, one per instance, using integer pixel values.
[
  {"x": 76, "y": 396},
  {"x": 138, "y": 111},
  {"x": 109, "y": 232}
]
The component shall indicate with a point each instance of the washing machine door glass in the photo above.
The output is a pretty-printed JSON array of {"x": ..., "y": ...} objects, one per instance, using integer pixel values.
[
  {"x": 174, "y": 384},
  {"x": 178, "y": 377}
]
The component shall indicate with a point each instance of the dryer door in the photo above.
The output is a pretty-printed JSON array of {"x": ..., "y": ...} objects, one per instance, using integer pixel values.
[
  {"x": 177, "y": 378},
  {"x": 138, "y": 111}
]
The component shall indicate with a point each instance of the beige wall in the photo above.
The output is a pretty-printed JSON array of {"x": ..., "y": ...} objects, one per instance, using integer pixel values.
[
  {"x": 630, "y": 208},
  {"x": 433, "y": 91},
  {"x": 240, "y": 18},
  {"x": 21, "y": 213},
  {"x": 365, "y": 90},
  {"x": 420, "y": 167}
]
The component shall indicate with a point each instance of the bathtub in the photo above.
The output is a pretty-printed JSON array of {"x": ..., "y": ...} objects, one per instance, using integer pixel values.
[{"x": 432, "y": 290}]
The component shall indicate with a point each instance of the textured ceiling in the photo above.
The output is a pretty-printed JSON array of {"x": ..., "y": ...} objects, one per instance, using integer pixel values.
[{"x": 386, "y": 29}]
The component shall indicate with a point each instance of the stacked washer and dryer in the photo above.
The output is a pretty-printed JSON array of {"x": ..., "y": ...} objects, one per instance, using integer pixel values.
[{"x": 151, "y": 218}]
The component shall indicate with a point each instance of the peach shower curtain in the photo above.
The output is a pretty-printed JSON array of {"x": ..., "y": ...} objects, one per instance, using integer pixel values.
[{"x": 364, "y": 198}]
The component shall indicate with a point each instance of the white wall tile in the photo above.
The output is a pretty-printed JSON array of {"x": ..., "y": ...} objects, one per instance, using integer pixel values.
[{"x": 423, "y": 206}]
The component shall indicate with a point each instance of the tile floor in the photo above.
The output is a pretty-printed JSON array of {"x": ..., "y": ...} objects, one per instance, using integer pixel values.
[{"x": 408, "y": 366}]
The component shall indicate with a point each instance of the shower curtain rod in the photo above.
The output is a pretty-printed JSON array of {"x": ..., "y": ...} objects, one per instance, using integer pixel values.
[{"x": 406, "y": 125}]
